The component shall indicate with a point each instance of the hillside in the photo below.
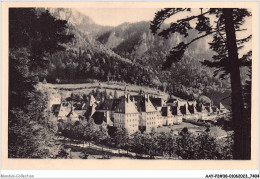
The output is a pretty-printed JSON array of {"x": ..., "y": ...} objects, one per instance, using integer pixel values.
[
  {"x": 81, "y": 22},
  {"x": 111, "y": 87},
  {"x": 136, "y": 42},
  {"x": 130, "y": 53}
]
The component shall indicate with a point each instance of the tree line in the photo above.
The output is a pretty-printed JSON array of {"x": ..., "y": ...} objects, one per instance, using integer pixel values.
[
  {"x": 164, "y": 144},
  {"x": 33, "y": 36},
  {"x": 89, "y": 62},
  {"x": 226, "y": 61}
]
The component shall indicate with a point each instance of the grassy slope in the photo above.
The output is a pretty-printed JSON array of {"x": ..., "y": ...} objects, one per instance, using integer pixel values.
[{"x": 66, "y": 89}]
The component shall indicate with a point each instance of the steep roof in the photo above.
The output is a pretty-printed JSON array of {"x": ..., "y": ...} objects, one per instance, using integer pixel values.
[
  {"x": 139, "y": 101},
  {"x": 171, "y": 100},
  {"x": 209, "y": 108},
  {"x": 149, "y": 106},
  {"x": 164, "y": 111},
  {"x": 107, "y": 104},
  {"x": 72, "y": 114},
  {"x": 157, "y": 102},
  {"x": 201, "y": 108},
  {"x": 143, "y": 103},
  {"x": 182, "y": 103},
  {"x": 192, "y": 108},
  {"x": 167, "y": 111},
  {"x": 92, "y": 100},
  {"x": 115, "y": 104},
  {"x": 78, "y": 106},
  {"x": 192, "y": 103},
  {"x": 64, "y": 111},
  {"x": 126, "y": 106},
  {"x": 84, "y": 106},
  {"x": 223, "y": 107},
  {"x": 176, "y": 110},
  {"x": 184, "y": 109}
]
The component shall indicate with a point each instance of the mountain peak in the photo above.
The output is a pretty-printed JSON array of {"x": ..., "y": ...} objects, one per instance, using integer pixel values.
[{"x": 71, "y": 15}]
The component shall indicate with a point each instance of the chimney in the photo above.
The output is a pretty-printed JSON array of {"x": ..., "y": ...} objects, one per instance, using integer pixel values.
[
  {"x": 168, "y": 110},
  {"x": 125, "y": 89},
  {"x": 128, "y": 97},
  {"x": 145, "y": 96}
]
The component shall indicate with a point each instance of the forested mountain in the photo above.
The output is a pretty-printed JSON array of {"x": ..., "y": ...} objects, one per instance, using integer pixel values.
[
  {"x": 81, "y": 22},
  {"x": 64, "y": 46},
  {"x": 131, "y": 53},
  {"x": 187, "y": 78},
  {"x": 87, "y": 59}
]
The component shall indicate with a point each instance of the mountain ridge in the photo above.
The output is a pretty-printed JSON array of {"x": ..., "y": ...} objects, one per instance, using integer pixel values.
[{"x": 131, "y": 53}]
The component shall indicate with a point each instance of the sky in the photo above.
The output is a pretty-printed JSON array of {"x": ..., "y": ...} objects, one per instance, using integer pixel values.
[{"x": 117, "y": 16}]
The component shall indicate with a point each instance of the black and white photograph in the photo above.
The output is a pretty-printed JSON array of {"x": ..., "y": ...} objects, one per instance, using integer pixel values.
[{"x": 130, "y": 83}]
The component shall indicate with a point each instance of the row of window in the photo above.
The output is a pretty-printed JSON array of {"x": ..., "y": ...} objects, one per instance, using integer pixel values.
[
  {"x": 127, "y": 115},
  {"x": 135, "y": 114},
  {"x": 131, "y": 120},
  {"x": 119, "y": 120},
  {"x": 118, "y": 115},
  {"x": 151, "y": 113},
  {"x": 119, "y": 125},
  {"x": 148, "y": 123},
  {"x": 151, "y": 118},
  {"x": 127, "y": 120},
  {"x": 133, "y": 125}
]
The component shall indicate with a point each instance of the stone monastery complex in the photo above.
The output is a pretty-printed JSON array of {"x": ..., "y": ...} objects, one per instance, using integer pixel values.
[{"x": 135, "y": 112}]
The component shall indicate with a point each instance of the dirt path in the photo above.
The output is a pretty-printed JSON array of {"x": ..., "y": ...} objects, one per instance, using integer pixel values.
[{"x": 105, "y": 149}]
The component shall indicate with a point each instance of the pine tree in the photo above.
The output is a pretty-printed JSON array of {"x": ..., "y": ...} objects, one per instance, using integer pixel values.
[
  {"x": 227, "y": 62},
  {"x": 33, "y": 36}
]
